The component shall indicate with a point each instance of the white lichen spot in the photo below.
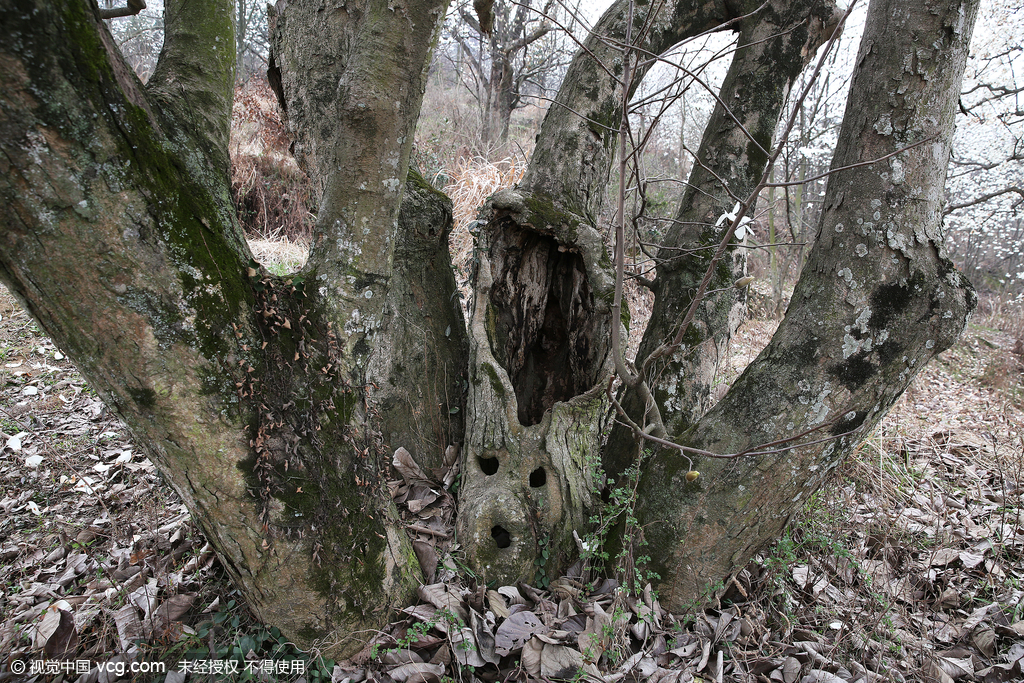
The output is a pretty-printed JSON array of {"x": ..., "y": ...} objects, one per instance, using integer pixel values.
[
  {"x": 850, "y": 346},
  {"x": 947, "y": 315},
  {"x": 861, "y": 250},
  {"x": 392, "y": 184},
  {"x": 819, "y": 411},
  {"x": 930, "y": 344},
  {"x": 863, "y": 318},
  {"x": 790, "y": 426},
  {"x": 850, "y": 415},
  {"x": 899, "y": 174},
  {"x": 368, "y": 294},
  {"x": 839, "y": 227},
  {"x": 882, "y": 336},
  {"x": 883, "y": 125}
]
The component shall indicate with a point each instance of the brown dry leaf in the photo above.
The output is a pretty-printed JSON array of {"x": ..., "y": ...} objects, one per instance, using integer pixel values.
[
  {"x": 483, "y": 629},
  {"x": 821, "y": 676},
  {"x": 417, "y": 671},
  {"x": 790, "y": 669},
  {"x": 931, "y": 672},
  {"x": 129, "y": 626},
  {"x": 956, "y": 668},
  {"x": 497, "y": 604},
  {"x": 465, "y": 647},
  {"x": 559, "y": 661},
  {"x": 593, "y": 641},
  {"x": 172, "y": 609},
  {"x": 512, "y": 594},
  {"x": 971, "y": 560},
  {"x": 63, "y": 639},
  {"x": 531, "y": 656},
  {"x": 943, "y": 556},
  {"x": 515, "y": 631},
  {"x": 427, "y": 557},
  {"x": 442, "y": 596},
  {"x": 407, "y": 467},
  {"x": 985, "y": 640}
]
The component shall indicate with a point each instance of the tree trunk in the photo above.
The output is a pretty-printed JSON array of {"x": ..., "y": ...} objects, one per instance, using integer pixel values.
[
  {"x": 251, "y": 393},
  {"x": 773, "y": 46},
  {"x": 272, "y": 405},
  {"x": 876, "y": 301}
]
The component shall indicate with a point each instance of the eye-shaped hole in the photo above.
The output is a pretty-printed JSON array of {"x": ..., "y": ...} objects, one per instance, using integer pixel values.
[
  {"x": 488, "y": 466},
  {"x": 538, "y": 478},
  {"x": 501, "y": 537}
]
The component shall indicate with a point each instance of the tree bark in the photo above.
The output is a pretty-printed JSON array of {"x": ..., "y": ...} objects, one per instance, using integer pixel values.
[
  {"x": 251, "y": 393},
  {"x": 773, "y": 46},
  {"x": 877, "y": 300},
  {"x": 272, "y": 405}
]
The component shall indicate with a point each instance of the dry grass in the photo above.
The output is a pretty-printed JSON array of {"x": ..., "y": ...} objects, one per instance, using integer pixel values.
[
  {"x": 270, "y": 191},
  {"x": 472, "y": 181}
]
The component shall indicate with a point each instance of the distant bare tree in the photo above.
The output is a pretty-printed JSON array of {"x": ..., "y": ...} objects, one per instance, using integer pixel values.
[{"x": 504, "y": 55}]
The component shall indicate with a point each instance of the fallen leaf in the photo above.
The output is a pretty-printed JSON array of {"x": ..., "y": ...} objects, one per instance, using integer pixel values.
[
  {"x": 531, "y": 656},
  {"x": 559, "y": 661},
  {"x": 64, "y": 640},
  {"x": 407, "y": 467},
  {"x": 514, "y": 632},
  {"x": 419, "y": 671}
]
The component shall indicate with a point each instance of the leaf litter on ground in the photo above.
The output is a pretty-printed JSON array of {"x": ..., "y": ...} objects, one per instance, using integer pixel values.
[{"x": 906, "y": 568}]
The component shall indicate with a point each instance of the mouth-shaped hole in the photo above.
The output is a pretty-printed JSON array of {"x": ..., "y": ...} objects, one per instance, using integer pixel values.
[
  {"x": 538, "y": 478},
  {"x": 488, "y": 466},
  {"x": 502, "y": 538}
]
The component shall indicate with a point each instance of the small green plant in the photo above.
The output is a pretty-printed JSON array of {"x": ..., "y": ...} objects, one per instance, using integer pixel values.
[{"x": 620, "y": 510}]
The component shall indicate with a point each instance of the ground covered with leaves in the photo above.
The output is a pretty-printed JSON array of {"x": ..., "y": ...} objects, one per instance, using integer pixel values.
[{"x": 908, "y": 567}]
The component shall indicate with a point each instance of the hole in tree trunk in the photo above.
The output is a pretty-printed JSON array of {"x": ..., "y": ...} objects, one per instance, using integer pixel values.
[
  {"x": 488, "y": 466},
  {"x": 501, "y": 537},
  {"x": 545, "y": 329},
  {"x": 538, "y": 478}
]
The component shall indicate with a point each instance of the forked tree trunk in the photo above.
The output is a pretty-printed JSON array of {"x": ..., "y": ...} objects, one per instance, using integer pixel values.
[
  {"x": 271, "y": 404},
  {"x": 772, "y": 48},
  {"x": 526, "y": 333},
  {"x": 876, "y": 301}
]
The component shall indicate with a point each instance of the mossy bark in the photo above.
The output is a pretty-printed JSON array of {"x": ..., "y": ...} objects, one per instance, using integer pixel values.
[
  {"x": 877, "y": 299},
  {"x": 259, "y": 398}
]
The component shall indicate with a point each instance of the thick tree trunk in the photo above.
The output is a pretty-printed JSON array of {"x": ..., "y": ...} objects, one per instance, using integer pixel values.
[
  {"x": 539, "y": 336},
  {"x": 250, "y": 392},
  {"x": 515, "y": 335},
  {"x": 272, "y": 405},
  {"x": 876, "y": 301}
]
